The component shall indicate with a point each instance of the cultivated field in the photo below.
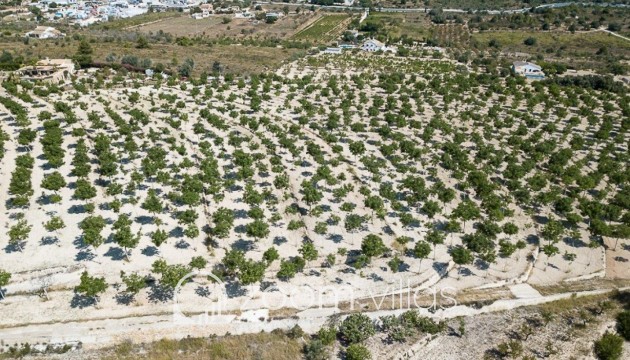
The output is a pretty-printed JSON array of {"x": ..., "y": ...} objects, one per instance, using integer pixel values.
[
  {"x": 319, "y": 183},
  {"x": 325, "y": 29},
  {"x": 216, "y": 27}
]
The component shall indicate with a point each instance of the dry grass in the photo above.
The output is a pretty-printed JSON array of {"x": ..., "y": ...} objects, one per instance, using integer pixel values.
[
  {"x": 578, "y": 44},
  {"x": 273, "y": 346},
  {"x": 236, "y": 58},
  {"x": 214, "y": 27}
]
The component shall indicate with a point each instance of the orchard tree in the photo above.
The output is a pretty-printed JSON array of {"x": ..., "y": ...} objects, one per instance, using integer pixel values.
[
  {"x": 308, "y": 251},
  {"x": 90, "y": 286},
  {"x": 373, "y": 246},
  {"x": 19, "y": 233},
  {"x": 223, "y": 220},
  {"x": 312, "y": 195},
  {"x": 271, "y": 255},
  {"x": 251, "y": 272},
  {"x": 53, "y": 182},
  {"x": 123, "y": 235},
  {"x": 152, "y": 203},
  {"x": 198, "y": 262},
  {"x": 133, "y": 283},
  {"x": 374, "y": 203},
  {"x": 4, "y": 280},
  {"x": 421, "y": 250},
  {"x": 84, "y": 190},
  {"x": 55, "y": 224},
  {"x": 461, "y": 256},
  {"x": 92, "y": 227},
  {"x": 435, "y": 237},
  {"x": 257, "y": 229}
]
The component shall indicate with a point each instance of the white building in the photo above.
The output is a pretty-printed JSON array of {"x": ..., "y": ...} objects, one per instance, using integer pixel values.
[
  {"x": 372, "y": 45},
  {"x": 527, "y": 69},
  {"x": 45, "y": 32},
  {"x": 333, "y": 50}
]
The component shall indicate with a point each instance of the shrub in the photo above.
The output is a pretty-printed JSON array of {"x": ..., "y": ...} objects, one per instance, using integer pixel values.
[
  {"x": 316, "y": 350},
  {"x": 623, "y": 324},
  {"x": 356, "y": 328},
  {"x": 530, "y": 41},
  {"x": 609, "y": 347},
  {"x": 357, "y": 352}
]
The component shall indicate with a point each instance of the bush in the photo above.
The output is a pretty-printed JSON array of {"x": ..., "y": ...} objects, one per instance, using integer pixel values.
[
  {"x": 316, "y": 350},
  {"x": 357, "y": 352},
  {"x": 623, "y": 324},
  {"x": 356, "y": 328},
  {"x": 609, "y": 347},
  {"x": 530, "y": 41}
]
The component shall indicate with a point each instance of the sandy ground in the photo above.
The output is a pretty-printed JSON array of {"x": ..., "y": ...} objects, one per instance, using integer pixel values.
[{"x": 56, "y": 263}]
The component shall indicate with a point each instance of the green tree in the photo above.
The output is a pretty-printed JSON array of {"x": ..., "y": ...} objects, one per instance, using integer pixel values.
[
  {"x": 251, "y": 272},
  {"x": 435, "y": 237},
  {"x": 84, "y": 190},
  {"x": 372, "y": 246},
  {"x": 123, "y": 235},
  {"x": 55, "y": 223},
  {"x": 53, "y": 181},
  {"x": 90, "y": 286},
  {"x": 198, "y": 262},
  {"x": 461, "y": 256},
  {"x": 4, "y": 281},
  {"x": 308, "y": 251},
  {"x": 152, "y": 203},
  {"x": 19, "y": 233},
  {"x": 133, "y": 282},
  {"x": 83, "y": 56},
  {"x": 257, "y": 229},
  {"x": 421, "y": 250},
  {"x": 271, "y": 255},
  {"x": 92, "y": 227}
]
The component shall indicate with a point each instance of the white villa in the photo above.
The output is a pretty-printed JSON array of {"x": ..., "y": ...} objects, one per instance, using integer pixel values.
[
  {"x": 45, "y": 32},
  {"x": 527, "y": 69},
  {"x": 372, "y": 45}
]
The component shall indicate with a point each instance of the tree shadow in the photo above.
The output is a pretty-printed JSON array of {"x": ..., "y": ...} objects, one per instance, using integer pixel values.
[
  {"x": 203, "y": 291},
  {"x": 49, "y": 240},
  {"x": 150, "y": 250},
  {"x": 240, "y": 214},
  {"x": 144, "y": 220},
  {"x": 160, "y": 293},
  {"x": 440, "y": 267},
  {"x": 12, "y": 248},
  {"x": 177, "y": 232},
  {"x": 80, "y": 301},
  {"x": 115, "y": 253},
  {"x": 234, "y": 289},
  {"x": 243, "y": 245},
  {"x": 576, "y": 243},
  {"x": 124, "y": 298},
  {"x": 336, "y": 238},
  {"x": 532, "y": 239},
  {"x": 85, "y": 255},
  {"x": 182, "y": 244},
  {"x": 279, "y": 240}
]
